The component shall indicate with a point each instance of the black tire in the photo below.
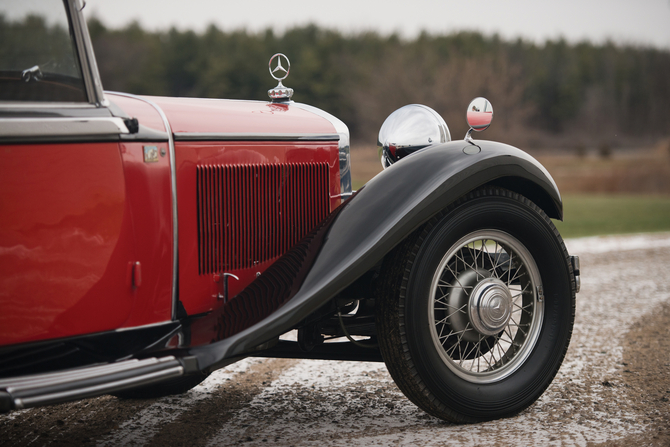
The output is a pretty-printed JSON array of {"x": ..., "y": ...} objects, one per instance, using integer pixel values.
[
  {"x": 434, "y": 265},
  {"x": 170, "y": 387}
]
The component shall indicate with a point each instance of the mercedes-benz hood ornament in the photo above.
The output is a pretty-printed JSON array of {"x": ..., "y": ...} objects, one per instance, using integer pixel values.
[{"x": 279, "y": 68}]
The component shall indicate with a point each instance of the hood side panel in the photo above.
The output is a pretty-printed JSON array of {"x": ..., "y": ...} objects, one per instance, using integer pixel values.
[{"x": 244, "y": 204}]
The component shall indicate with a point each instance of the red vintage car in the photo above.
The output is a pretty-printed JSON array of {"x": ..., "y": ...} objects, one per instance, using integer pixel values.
[{"x": 147, "y": 241}]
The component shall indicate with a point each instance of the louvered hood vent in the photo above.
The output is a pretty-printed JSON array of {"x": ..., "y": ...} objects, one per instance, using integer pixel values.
[{"x": 249, "y": 214}]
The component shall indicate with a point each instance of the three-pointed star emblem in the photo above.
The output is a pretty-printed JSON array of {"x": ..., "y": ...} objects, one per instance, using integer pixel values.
[{"x": 279, "y": 72}]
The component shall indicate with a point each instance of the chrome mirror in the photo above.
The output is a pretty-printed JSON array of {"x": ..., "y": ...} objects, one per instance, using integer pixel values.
[
  {"x": 409, "y": 129},
  {"x": 479, "y": 116}
]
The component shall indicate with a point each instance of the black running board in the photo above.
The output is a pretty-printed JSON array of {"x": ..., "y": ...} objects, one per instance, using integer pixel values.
[{"x": 80, "y": 383}]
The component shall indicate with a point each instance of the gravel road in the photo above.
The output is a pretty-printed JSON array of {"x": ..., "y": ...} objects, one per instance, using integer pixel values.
[{"x": 613, "y": 388}]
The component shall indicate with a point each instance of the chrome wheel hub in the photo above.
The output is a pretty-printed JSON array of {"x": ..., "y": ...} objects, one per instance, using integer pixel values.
[{"x": 490, "y": 306}]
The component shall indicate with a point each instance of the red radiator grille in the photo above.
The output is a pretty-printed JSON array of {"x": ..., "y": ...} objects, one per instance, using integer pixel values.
[{"x": 248, "y": 214}]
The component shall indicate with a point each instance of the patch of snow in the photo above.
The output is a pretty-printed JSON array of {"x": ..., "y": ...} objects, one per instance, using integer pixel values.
[
  {"x": 606, "y": 244},
  {"x": 146, "y": 423}
]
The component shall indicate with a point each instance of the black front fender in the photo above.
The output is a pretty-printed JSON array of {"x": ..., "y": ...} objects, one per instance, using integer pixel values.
[{"x": 357, "y": 235}]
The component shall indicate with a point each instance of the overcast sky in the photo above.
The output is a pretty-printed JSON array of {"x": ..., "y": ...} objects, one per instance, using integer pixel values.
[{"x": 645, "y": 22}]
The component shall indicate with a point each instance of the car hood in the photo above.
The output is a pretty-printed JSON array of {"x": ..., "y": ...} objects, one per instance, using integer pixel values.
[{"x": 202, "y": 118}]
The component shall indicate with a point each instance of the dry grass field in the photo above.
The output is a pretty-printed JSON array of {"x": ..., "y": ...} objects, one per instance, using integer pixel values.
[
  {"x": 604, "y": 191},
  {"x": 641, "y": 171},
  {"x": 633, "y": 171}
]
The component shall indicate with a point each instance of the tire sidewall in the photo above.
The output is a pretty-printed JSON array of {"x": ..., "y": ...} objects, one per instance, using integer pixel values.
[{"x": 518, "y": 390}]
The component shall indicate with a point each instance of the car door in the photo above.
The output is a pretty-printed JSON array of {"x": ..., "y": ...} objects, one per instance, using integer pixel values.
[{"x": 66, "y": 238}]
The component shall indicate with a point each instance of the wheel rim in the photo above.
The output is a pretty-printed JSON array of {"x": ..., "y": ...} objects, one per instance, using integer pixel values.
[{"x": 485, "y": 312}]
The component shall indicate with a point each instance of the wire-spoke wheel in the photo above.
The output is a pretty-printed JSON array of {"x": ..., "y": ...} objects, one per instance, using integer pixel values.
[
  {"x": 475, "y": 309},
  {"x": 486, "y": 315}
]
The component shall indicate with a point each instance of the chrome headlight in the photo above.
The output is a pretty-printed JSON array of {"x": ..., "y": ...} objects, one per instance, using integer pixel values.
[{"x": 409, "y": 129}]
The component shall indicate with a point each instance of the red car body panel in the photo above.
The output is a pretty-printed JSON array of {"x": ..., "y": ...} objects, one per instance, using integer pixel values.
[
  {"x": 66, "y": 239},
  {"x": 79, "y": 215},
  {"x": 149, "y": 199}
]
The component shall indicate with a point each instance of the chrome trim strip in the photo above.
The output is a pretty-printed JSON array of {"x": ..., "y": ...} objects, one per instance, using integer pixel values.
[
  {"x": 45, "y": 105},
  {"x": 344, "y": 149},
  {"x": 86, "y": 56},
  {"x": 146, "y": 326},
  {"x": 61, "y": 127},
  {"x": 173, "y": 187},
  {"x": 62, "y": 386},
  {"x": 96, "y": 390},
  {"x": 17, "y": 384},
  {"x": 256, "y": 136}
]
